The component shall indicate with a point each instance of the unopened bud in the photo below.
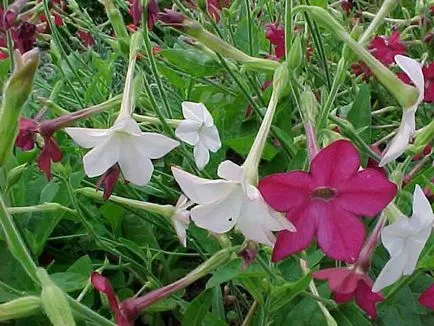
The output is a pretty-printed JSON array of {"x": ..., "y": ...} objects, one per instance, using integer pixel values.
[
  {"x": 15, "y": 94},
  {"x": 20, "y": 308},
  {"x": 14, "y": 175},
  {"x": 172, "y": 18},
  {"x": 54, "y": 301},
  {"x": 308, "y": 105},
  {"x": 117, "y": 22},
  {"x": 295, "y": 55}
]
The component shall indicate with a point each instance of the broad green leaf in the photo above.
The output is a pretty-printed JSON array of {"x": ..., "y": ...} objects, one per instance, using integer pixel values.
[
  {"x": 283, "y": 294},
  {"x": 242, "y": 146},
  {"x": 360, "y": 113},
  {"x": 198, "y": 309}
]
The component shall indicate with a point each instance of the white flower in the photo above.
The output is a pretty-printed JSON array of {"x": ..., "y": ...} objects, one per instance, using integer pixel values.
[
  {"x": 181, "y": 219},
  {"x": 404, "y": 240},
  {"x": 407, "y": 128},
  {"x": 198, "y": 130},
  {"x": 125, "y": 144},
  {"x": 222, "y": 204}
]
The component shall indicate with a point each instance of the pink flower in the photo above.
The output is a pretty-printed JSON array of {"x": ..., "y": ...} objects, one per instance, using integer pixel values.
[
  {"x": 27, "y": 134},
  {"x": 24, "y": 36},
  {"x": 361, "y": 68},
  {"x": 108, "y": 180},
  {"x": 215, "y": 6},
  {"x": 427, "y": 298},
  {"x": 348, "y": 283},
  {"x": 347, "y": 6},
  {"x": 86, "y": 38},
  {"x": 50, "y": 153},
  {"x": 276, "y": 36},
  {"x": 428, "y": 74},
  {"x": 102, "y": 284},
  {"x": 326, "y": 202},
  {"x": 386, "y": 48},
  {"x": 136, "y": 11}
]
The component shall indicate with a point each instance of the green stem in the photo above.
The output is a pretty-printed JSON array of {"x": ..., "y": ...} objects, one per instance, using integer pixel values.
[
  {"x": 288, "y": 27},
  {"x": 249, "y": 26},
  {"x": 47, "y": 207}
]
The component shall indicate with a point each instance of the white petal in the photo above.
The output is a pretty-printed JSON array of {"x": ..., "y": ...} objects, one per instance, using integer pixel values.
[
  {"x": 88, "y": 137},
  {"x": 422, "y": 211},
  {"x": 102, "y": 157},
  {"x": 135, "y": 167},
  {"x": 127, "y": 125},
  {"x": 181, "y": 232},
  {"x": 400, "y": 142},
  {"x": 394, "y": 235},
  {"x": 219, "y": 216},
  {"x": 277, "y": 222},
  {"x": 181, "y": 221},
  {"x": 201, "y": 155},
  {"x": 391, "y": 272},
  {"x": 414, "y": 247},
  {"x": 153, "y": 145},
  {"x": 413, "y": 69},
  {"x": 210, "y": 138},
  {"x": 188, "y": 131},
  {"x": 199, "y": 190},
  {"x": 193, "y": 111},
  {"x": 230, "y": 171}
]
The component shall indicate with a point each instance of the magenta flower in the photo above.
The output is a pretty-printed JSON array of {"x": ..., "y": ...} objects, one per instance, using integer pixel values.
[
  {"x": 86, "y": 38},
  {"x": 50, "y": 153},
  {"x": 136, "y": 11},
  {"x": 102, "y": 284},
  {"x": 427, "y": 298},
  {"x": 348, "y": 283},
  {"x": 108, "y": 180},
  {"x": 347, "y": 6},
  {"x": 386, "y": 48},
  {"x": 276, "y": 36},
  {"x": 27, "y": 134},
  {"x": 326, "y": 202},
  {"x": 24, "y": 36}
]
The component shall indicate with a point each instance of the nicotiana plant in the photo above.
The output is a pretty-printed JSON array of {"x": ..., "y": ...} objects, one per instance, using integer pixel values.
[{"x": 216, "y": 162}]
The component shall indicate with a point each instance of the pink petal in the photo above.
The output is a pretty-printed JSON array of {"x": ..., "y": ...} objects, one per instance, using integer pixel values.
[
  {"x": 366, "y": 299},
  {"x": 102, "y": 284},
  {"x": 287, "y": 242},
  {"x": 340, "y": 233},
  {"x": 286, "y": 191},
  {"x": 44, "y": 162},
  {"x": 340, "y": 280},
  {"x": 342, "y": 297},
  {"x": 367, "y": 193},
  {"x": 335, "y": 163},
  {"x": 427, "y": 298}
]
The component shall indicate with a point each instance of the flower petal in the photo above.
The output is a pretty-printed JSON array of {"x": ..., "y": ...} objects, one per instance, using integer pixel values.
[
  {"x": 413, "y": 69},
  {"x": 126, "y": 125},
  {"x": 340, "y": 233},
  {"x": 367, "y": 193},
  {"x": 188, "y": 131},
  {"x": 394, "y": 235},
  {"x": 400, "y": 142},
  {"x": 366, "y": 299},
  {"x": 210, "y": 138},
  {"x": 102, "y": 157},
  {"x": 230, "y": 171},
  {"x": 414, "y": 247},
  {"x": 197, "y": 112},
  {"x": 340, "y": 280},
  {"x": 136, "y": 168},
  {"x": 391, "y": 272},
  {"x": 219, "y": 216},
  {"x": 422, "y": 211},
  {"x": 335, "y": 163},
  {"x": 201, "y": 155},
  {"x": 153, "y": 145},
  {"x": 88, "y": 137},
  {"x": 427, "y": 298},
  {"x": 287, "y": 242},
  {"x": 199, "y": 190},
  {"x": 286, "y": 191}
]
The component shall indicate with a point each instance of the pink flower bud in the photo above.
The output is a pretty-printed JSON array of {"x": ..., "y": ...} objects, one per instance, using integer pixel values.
[{"x": 172, "y": 18}]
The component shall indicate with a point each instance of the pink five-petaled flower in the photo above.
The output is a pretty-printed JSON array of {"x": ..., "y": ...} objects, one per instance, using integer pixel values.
[
  {"x": 102, "y": 284},
  {"x": 347, "y": 283},
  {"x": 386, "y": 48},
  {"x": 427, "y": 298},
  {"x": 276, "y": 36},
  {"x": 326, "y": 202}
]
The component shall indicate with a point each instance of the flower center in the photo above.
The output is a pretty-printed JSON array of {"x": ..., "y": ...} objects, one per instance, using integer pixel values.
[{"x": 323, "y": 193}]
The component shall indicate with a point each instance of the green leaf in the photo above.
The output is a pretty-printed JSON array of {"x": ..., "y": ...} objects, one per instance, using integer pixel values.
[
  {"x": 198, "y": 309},
  {"x": 242, "y": 146},
  {"x": 196, "y": 63},
  {"x": 282, "y": 295},
  {"x": 225, "y": 273},
  {"x": 360, "y": 113},
  {"x": 114, "y": 214},
  {"x": 319, "y": 3}
]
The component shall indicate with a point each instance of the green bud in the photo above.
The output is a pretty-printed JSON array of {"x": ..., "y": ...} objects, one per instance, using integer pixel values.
[
  {"x": 16, "y": 91},
  {"x": 54, "y": 301},
  {"x": 308, "y": 105},
  {"x": 425, "y": 136},
  {"x": 347, "y": 53},
  {"x": 117, "y": 22},
  {"x": 20, "y": 308},
  {"x": 281, "y": 79},
  {"x": 295, "y": 57},
  {"x": 341, "y": 71},
  {"x": 14, "y": 175},
  {"x": 202, "y": 5}
]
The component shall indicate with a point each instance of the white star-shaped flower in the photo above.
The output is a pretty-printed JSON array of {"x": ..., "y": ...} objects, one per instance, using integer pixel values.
[
  {"x": 124, "y": 143},
  {"x": 404, "y": 240},
  {"x": 231, "y": 201},
  {"x": 198, "y": 130},
  {"x": 407, "y": 128}
]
